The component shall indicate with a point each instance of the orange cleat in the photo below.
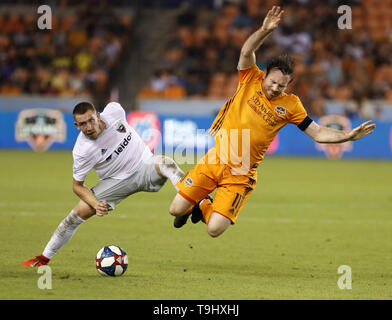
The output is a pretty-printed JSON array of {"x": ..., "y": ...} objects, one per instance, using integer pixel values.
[{"x": 36, "y": 262}]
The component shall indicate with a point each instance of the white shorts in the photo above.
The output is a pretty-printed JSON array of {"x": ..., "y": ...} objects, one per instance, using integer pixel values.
[{"x": 145, "y": 178}]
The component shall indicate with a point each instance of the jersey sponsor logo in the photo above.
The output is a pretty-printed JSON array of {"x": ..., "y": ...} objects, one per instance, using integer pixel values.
[
  {"x": 40, "y": 128},
  {"x": 123, "y": 144},
  {"x": 262, "y": 111},
  {"x": 280, "y": 110}
]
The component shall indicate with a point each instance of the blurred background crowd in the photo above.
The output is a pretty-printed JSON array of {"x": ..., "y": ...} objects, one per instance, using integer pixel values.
[
  {"x": 85, "y": 48},
  {"x": 75, "y": 57},
  {"x": 348, "y": 65}
]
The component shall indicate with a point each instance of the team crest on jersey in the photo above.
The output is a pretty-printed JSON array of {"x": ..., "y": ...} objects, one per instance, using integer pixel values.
[
  {"x": 121, "y": 128},
  {"x": 188, "y": 182},
  {"x": 280, "y": 110}
]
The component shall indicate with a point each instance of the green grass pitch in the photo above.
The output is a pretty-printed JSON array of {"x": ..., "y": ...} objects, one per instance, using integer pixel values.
[{"x": 305, "y": 218}]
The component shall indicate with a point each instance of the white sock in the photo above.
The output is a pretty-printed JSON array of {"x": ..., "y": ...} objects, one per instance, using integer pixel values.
[
  {"x": 62, "y": 234},
  {"x": 171, "y": 170}
]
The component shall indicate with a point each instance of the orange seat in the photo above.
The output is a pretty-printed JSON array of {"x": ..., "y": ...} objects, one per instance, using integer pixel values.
[
  {"x": 174, "y": 92},
  {"x": 388, "y": 95}
]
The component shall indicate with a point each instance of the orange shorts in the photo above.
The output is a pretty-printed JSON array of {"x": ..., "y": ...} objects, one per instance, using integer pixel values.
[{"x": 232, "y": 190}]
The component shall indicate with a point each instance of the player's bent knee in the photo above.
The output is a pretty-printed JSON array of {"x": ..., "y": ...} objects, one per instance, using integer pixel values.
[
  {"x": 179, "y": 206},
  {"x": 217, "y": 225},
  {"x": 83, "y": 210},
  {"x": 214, "y": 232},
  {"x": 174, "y": 210}
]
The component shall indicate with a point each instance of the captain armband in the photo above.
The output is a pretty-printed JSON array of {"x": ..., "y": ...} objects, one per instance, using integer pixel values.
[{"x": 305, "y": 123}]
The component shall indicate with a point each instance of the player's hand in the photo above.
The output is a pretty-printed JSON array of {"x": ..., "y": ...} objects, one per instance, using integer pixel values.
[
  {"x": 271, "y": 21},
  {"x": 363, "y": 130},
  {"x": 101, "y": 209}
]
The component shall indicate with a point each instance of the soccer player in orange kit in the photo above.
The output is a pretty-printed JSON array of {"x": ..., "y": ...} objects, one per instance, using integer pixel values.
[{"x": 248, "y": 122}]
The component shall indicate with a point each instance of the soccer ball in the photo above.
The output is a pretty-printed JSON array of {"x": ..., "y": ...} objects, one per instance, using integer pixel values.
[{"x": 111, "y": 261}]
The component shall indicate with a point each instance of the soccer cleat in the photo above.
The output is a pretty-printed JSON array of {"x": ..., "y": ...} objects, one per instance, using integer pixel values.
[
  {"x": 180, "y": 221},
  {"x": 197, "y": 215},
  {"x": 36, "y": 262}
]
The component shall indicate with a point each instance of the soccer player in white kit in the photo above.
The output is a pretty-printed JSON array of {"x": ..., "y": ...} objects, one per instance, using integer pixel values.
[{"x": 122, "y": 161}]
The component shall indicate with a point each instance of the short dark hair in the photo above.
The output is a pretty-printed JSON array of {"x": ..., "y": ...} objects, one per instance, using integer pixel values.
[
  {"x": 82, "y": 108},
  {"x": 282, "y": 62}
]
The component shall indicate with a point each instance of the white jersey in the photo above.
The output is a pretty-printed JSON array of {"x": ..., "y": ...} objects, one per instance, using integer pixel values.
[{"x": 116, "y": 153}]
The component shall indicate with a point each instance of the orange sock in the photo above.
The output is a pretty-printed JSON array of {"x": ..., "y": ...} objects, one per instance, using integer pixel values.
[{"x": 207, "y": 209}]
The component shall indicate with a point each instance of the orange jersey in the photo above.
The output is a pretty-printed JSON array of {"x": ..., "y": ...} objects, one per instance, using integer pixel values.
[{"x": 248, "y": 122}]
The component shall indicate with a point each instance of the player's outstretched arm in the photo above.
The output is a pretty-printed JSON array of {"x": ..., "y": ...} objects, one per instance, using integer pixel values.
[
  {"x": 87, "y": 196},
  {"x": 322, "y": 134},
  {"x": 270, "y": 23}
]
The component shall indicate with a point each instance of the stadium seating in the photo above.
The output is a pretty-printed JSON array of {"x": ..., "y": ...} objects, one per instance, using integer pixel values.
[
  {"x": 84, "y": 50},
  {"x": 336, "y": 64},
  {"x": 76, "y": 57}
]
